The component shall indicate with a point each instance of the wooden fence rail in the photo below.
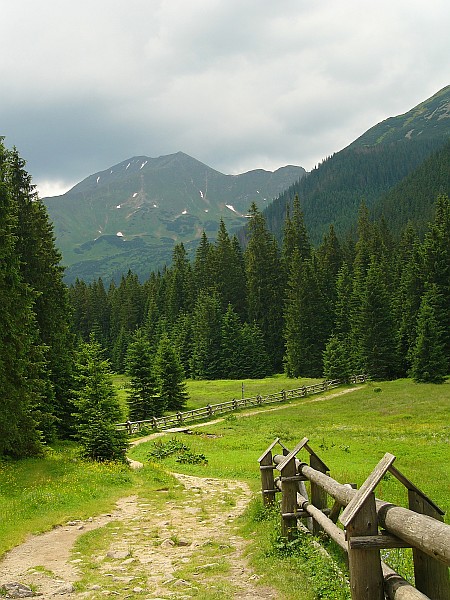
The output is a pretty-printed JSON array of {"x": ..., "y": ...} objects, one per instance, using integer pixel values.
[
  {"x": 211, "y": 410},
  {"x": 368, "y": 524}
]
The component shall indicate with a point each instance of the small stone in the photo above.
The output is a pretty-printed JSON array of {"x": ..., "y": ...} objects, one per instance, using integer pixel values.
[
  {"x": 118, "y": 554},
  {"x": 128, "y": 561},
  {"x": 96, "y": 587},
  {"x": 17, "y": 590},
  {"x": 182, "y": 583},
  {"x": 138, "y": 590},
  {"x": 168, "y": 543},
  {"x": 67, "y": 588}
]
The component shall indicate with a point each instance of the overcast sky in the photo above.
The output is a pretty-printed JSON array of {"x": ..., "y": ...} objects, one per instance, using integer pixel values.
[{"x": 238, "y": 85}]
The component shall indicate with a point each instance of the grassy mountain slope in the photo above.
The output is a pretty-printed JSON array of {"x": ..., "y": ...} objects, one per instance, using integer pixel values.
[
  {"x": 367, "y": 169},
  {"x": 131, "y": 215}
]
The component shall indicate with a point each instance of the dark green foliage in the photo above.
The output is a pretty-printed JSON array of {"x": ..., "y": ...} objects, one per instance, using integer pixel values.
[
  {"x": 170, "y": 376},
  {"x": 429, "y": 361},
  {"x": 336, "y": 361},
  {"x": 206, "y": 337},
  {"x": 19, "y": 380},
  {"x": 436, "y": 265},
  {"x": 144, "y": 401},
  {"x": 265, "y": 285},
  {"x": 306, "y": 327},
  {"x": 41, "y": 270},
  {"x": 97, "y": 407},
  {"x": 184, "y": 454},
  {"x": 376, "y": 333}
]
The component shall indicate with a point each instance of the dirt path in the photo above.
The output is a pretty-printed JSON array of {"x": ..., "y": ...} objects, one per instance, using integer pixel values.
[{"x": 161, "y": 550}]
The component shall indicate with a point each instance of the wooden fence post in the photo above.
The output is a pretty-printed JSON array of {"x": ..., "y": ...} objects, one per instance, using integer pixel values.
[
  {"x": 431, "y": 576},
  {"x": 318, "y": 494},
  {"x": 360, "y": 519},
  {"x": 266, "y": 469},
  {"x": 366, "y": 575},
  {"x": 288, "y": 473}
]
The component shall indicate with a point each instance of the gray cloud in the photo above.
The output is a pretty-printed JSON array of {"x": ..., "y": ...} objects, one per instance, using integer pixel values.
[{"x": 238, "y": 85}]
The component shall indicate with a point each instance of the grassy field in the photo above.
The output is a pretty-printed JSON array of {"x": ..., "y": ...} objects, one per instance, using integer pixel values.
[
  {"x": 216, "y": 391},
  {"x": 350, "y": 432}
]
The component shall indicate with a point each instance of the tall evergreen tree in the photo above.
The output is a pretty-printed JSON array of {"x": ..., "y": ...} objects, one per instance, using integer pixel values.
[
  {"x": 179, "y": 294},
  {"x": 429, "y": 361},
  {"x": 436, "y": 265},
  {"x": 170, "y": 376},
  {"x": 41, "y": 270},
  {"x": 264, "y": 285},
  {"x": 377, "y": 339},
  {"x": 19, "y": 352},
  {"x": 306, "y": 321},
  {"x": 206, "y": 337},
  {"x": 144, "y": 401},
  {"x": 97, "y": 407},
  {"x": 232, "y": 357}
]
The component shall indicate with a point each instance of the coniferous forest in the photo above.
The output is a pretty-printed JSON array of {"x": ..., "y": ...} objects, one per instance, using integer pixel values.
[{"x": 375, "y": 301}]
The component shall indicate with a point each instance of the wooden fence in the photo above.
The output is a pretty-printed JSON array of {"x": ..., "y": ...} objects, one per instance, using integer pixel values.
[
  {"x": 207, "y": 412},
  {"x": 368, "y": 524}
]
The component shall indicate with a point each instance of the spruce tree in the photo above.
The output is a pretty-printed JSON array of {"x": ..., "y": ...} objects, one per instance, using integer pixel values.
[
  {"x": 97, "y": 408},
  {"x": 20, "y": 355},
  {"x": 206, "y": 337},
  {"x": 41, "y": 270},
  {"x": 306, "y": 327},
  {"x": 377, "y": 339},
  {"x": 436, "y": 265},
  {"x": 232, "y": 357},
  {"x": 336, "y": 363},
  {"x": 170, "y": 376},
  {"x": 265, "y": 285},
  {"x": 144, "y": 401},
  {"x": 429, "y": 361}
]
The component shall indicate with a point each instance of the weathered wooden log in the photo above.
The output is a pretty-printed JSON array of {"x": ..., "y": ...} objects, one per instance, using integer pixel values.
[
  {"x": 396, "y": 588},
  {"x": 425, "y": 533}
]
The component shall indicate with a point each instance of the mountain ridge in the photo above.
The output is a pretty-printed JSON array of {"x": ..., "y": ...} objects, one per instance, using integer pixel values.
[{"x": 152, "y": 204}]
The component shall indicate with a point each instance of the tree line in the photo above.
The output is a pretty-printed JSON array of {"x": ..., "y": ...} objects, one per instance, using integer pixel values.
[{"x": 376, "y": 302}]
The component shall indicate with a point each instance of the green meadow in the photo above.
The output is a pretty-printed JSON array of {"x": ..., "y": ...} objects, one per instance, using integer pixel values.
[{"x": 351, "y": 432}]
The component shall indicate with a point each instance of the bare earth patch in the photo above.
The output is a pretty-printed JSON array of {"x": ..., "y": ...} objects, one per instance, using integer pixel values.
[{"x": 195, "y": 537}]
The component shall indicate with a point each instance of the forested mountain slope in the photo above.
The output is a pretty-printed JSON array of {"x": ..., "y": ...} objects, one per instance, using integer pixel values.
[{"x": 367, "y": 170}]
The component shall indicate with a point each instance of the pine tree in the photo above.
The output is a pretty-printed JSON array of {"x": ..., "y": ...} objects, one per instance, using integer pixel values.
[
  {"x": 407, "y": 296},
  {"x": 40, "y": 269},
  {"x": 336, "y": 364},
  {"x": 144, "y": 401},
  {"x": 306, "y": 327},
  {"x": 256, "y": 361},
  {"x": 179, "y": 293},
  {"x": 436, "y": 265},
  {"x": 429, "y": 361},
  {"x": 232, "y": 357},
  {"x": 20, "y": 354},
  {"x": 377, "y": 339},
  {"x": 170, "y": 376},
  {"x": 97, "y": 407},
  {"x": 206, "y": 337},
  {"x": 265, "y": 285}
]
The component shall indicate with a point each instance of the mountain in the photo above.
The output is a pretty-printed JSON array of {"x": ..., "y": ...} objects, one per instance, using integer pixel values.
[
  {"x": 131, "y": 215},
  {"x": 367, "y": 170}
]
